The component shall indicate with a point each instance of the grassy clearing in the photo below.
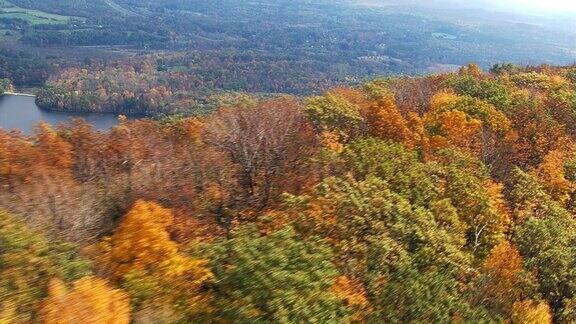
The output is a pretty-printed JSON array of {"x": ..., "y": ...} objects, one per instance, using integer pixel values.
[{"x": 34, "y": 17}]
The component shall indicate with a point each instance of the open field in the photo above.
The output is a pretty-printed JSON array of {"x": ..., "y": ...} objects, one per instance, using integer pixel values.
[{"x": 34, "y": 17}]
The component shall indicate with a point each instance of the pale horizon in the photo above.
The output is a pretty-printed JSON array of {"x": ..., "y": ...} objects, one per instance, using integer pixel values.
[{"x": 537, "y": 6}]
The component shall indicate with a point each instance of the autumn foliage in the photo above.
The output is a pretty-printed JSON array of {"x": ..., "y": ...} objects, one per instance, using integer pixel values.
[
  {"x": 446, "y": 198},
  {"x": 91, "y": 300}
]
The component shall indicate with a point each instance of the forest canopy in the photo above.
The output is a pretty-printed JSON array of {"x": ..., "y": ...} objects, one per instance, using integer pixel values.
[{"x": 442, "y": 198}]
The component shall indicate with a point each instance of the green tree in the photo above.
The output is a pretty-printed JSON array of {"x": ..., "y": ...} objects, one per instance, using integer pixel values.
[
  {"x": 527, "y": 197},
  {"x": 275, "y": 278},
  {"x": 409, "y": 259},
  {"x": 493, "y": 91},
  {"x": 372, "y": 228},
  {"x": 545, "y": 235},
  {"x": 27, "y": 263},
  {"x": 479, "y": 200},
  {"x": 460, "y": 178},
  {"x": 413, "y": 296},
  {"x": 331, "y": 113},
  {"x": 547, "y": 245},
  {"x": 399, "y": 167}
]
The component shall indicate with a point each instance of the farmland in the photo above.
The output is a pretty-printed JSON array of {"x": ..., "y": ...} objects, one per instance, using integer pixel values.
[{"x": 9, "y": 11}]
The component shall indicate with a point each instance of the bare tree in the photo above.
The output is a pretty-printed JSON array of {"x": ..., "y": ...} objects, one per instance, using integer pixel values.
[
  {"x": 259, "y": 138},
  {"x": 63, "y": 209}
]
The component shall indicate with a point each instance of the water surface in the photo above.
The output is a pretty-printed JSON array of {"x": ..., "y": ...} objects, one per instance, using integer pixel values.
[{"x": 21, "y": 112}]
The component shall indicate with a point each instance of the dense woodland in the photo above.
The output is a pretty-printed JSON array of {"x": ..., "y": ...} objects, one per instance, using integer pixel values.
[
  {"x": 157, "y": 85},
  {"x": 446, "y": 198},
  {"x": 288, "y": 46},
  {"x": 24, "y": 69}
]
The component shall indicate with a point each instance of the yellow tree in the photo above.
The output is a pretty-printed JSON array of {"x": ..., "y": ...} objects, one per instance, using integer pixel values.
[
  {"x": 469, "y": 123},
  {"x": 142, "y": 256},
  {"x": 472, "y": 70},
  {"x": 531, "y": 312},
  {"x": 385, "y": 122},
  {"x": 442, "y": 99},
  {"x": 142, "y": 241},
  {"x": 503, "y": 278},
  {"x": 354, "y": 296},
  {"x": 479, "y": 200},
  {"x": 552, "y": 175},
  {"x": 454, "y": 128},
  {"x": 420, "y": 137},
  {"x": 331, "y": 141},
  {"x": 446, "y": 127},
  {"x": 91, "y": 300}
]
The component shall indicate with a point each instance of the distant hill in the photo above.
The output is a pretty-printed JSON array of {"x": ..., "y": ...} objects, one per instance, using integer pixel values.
[{"x": 347, "y": 40}]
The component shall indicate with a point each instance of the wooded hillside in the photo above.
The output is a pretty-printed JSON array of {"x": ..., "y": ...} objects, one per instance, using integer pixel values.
[{"x": 445, "y": 198}]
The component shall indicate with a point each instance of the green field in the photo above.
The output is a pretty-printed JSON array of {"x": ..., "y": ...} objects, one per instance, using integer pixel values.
[{"x": 34, "y": 17}]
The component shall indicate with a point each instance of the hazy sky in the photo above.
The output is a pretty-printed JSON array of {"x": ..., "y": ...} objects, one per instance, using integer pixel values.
[
  {"x": 544, "y": 7},
  {"x": 549, "y": 6}
]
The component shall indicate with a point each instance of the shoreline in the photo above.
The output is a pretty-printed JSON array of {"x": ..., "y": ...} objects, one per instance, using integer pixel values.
[
  {"x": 84, "y": 112},
  {"x": 18, "y": 94}
]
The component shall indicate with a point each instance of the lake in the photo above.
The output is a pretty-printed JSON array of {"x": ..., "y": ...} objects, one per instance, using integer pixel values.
[{"x": 21, "y": 112}]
